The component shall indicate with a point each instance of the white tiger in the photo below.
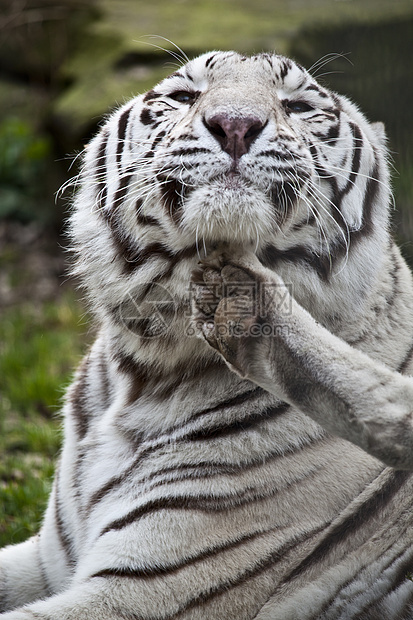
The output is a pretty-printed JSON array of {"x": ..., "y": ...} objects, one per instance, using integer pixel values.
[{"x": 261, "y": 470}]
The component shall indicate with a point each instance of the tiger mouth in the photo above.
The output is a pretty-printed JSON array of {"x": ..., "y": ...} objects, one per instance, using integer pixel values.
[
  {"x": 174, "y": 193},
  {"x": 233, "y": 180},
  {"x": 228, "y": 203}
]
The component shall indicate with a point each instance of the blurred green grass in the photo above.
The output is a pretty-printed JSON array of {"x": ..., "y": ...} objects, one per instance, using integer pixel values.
[{"x": 40, "y": 345}]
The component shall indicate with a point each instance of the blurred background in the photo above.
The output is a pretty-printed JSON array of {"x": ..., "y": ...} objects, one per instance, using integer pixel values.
[{"x": 64, "y": 64}]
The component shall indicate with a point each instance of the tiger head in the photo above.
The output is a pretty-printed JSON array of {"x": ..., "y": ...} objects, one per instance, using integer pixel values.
[
  {"x": 229, "y": 150},
  {"x": 248, "y": 149}
]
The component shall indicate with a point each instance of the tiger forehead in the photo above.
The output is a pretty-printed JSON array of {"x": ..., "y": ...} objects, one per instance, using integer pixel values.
[
  {"x": 231, "y": 70},
  {"x": 266, "y": 69}
]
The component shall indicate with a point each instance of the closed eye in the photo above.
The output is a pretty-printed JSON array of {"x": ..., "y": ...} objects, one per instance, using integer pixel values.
[{"x": 297, "y": 107}]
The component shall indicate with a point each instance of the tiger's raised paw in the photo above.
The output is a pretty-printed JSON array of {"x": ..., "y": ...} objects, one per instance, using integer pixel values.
[{"x": 235, "y": 305}]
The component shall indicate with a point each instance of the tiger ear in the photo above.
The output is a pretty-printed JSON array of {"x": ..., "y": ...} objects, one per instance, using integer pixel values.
[{"x": 380, "y": 131}]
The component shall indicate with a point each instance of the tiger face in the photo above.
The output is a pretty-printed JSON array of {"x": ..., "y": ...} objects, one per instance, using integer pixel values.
[
  {"x": 251, "y": 150},
  {"x": 232, "y": 152}
]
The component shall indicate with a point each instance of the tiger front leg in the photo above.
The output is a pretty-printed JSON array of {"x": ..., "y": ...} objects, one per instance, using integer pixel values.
[
  {"x": 21, "y": 575},
  {"x": 98, "y": 598},
  {"x": 267, "y": 337}
]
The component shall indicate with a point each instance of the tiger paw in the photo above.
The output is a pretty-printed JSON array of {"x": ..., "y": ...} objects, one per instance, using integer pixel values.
[{"x": 234, "y": 308}]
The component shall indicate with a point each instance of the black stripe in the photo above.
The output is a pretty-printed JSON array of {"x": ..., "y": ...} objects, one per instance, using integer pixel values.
[
  {"x": 173, "y": 194},
  {"x": 340, "y": 532},
  {"x": 235, "y": 401},
  {"x": 175, "y": 74},
  {"x": 146, "y": 117},
  {"x": 155, "y": 142},
  {"x": 322, "y": 116},
  {"x": 219, "y": 431},
  {"x": 331, "y": 136},
  {"x": 155, "y": 249},
  {"x": 206, "y": 502},
  {"x": 143, "y": 218},
  {"x": 370, "y": 196},
  {"x": 175, "y": 259},
  {"x": 182, "y": 373},
  {"x": 339, "y": 195},
  {"x": 322, "y": 264},
  {"x": 128, "y": 364},
  {"x": 213, "y": 469},
  {"x": 64, "y": 539},
  {"x": 138, "y": 373},
  {"x": 151, "y": 94},
  {"x": 261, "y": 566},
  {"x": 268, "y": 58},
  {"x": 126, "y": 248},
  {"x": 112, "y": 483},
  {"x": 146, "y": 220},
  {"x": 168, "y": 569},
  {"x": 42, "y": 567},
  {"x": 103, "y": 373},
  {"x": 333, "y": 133},
  {"x": 407, "y": 359},
  {"x": 137, "y": 257},
  {"x": 283, "y": 195},
  {"x": 310, "y": 220},
  {"x": 75, "y": 484},
  {"x": 201, "y": 470},
  {"x": 391, "y": 297},
  {"x": 122, "y": 125},
  {"x": 322, "y": 172},
  {"x": 121, "y": 191},
  {"x": 367, "y": 220},
  {"x": 79, "y": 400},
  {"x": 355, "y": 164},
  {"x": 157, "y": 139},
  {"x": 285, "y": 67},
  {"x": 284, "y": 156},
  {"x": 317, "y": 89},
  {"x": 208, "y": 62},
  {"x": 190, "y": 151},
  {"x": 192, "y": 471}
]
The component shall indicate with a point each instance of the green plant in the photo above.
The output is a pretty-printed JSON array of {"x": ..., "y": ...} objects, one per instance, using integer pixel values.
[
  {"x": 24, "y": 156},
  {"x": 39, "y": 349}
]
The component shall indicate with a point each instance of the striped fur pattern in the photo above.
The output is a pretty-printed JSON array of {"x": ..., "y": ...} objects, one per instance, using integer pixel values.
[{"x": 238, "y": 440}]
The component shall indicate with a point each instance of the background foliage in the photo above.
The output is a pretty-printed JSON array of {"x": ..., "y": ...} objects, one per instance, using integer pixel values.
[{"x": 63, "y": 65}]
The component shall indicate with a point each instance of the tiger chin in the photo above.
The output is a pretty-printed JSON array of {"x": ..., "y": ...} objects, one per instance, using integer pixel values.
[{"x": 238, "y": 440}]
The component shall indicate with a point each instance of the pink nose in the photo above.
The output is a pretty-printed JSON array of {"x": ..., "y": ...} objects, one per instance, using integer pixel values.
[{"x": 235, "y": 135}]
